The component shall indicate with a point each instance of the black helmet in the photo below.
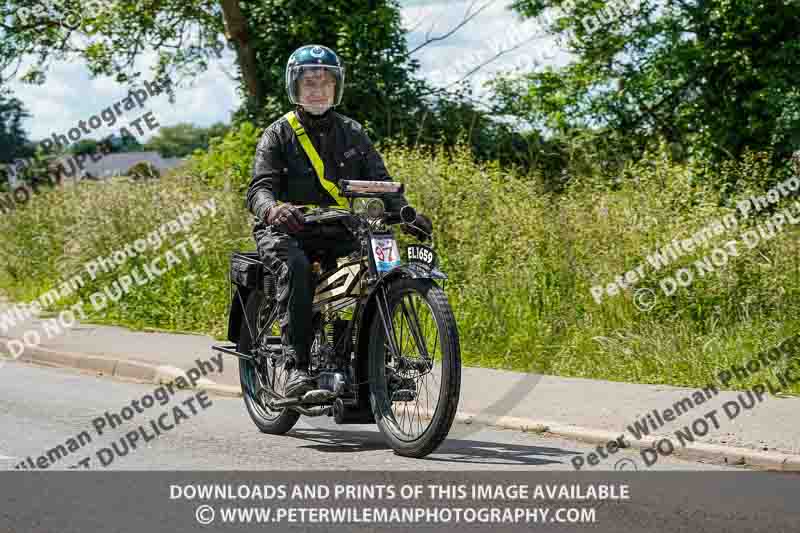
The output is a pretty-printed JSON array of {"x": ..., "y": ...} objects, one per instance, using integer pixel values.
[{"x": 314, "y": 59}]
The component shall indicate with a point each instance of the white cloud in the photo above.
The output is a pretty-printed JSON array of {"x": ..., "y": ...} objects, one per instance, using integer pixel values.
[
  {"x": 495, "y": 30},
  {"x": 70, "y": 95}
]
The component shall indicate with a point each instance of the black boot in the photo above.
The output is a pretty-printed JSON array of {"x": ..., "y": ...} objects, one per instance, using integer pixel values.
[{"x": 299, "y": 381}]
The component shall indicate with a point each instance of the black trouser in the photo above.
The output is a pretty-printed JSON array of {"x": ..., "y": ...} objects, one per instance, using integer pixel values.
[{"x": 288, "y": 257}]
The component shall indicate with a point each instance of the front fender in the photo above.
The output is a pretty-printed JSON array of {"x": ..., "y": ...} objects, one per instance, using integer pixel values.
[
  {"x": 407, "y": 270},
  {"x": 413, "y": 271}
]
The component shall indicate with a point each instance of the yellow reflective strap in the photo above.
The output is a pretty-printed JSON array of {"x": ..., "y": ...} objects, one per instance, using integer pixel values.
[{"x": 316, "y": 160}]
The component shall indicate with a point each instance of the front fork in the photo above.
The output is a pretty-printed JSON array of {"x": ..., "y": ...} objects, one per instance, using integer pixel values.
[{"x": 382, "y": 301}]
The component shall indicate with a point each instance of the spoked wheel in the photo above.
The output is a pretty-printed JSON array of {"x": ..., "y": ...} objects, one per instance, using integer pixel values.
[
  {"x": 415, "y": 396},
  {"x": 268, "y": 375}
]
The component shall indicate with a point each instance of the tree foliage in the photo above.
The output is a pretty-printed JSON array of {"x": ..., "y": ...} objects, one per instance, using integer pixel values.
[
  {"x": 13, "y": 139},
  {"x": 181, "y": 140},
  {"x": 124, "y": 143},
  {"x": 84, "y": 146},
  {"x": 383, "y": 91},
  {"x": 713, "y": 76},
  {"x": 380, "y": 92},
  {"x": 188, "y": 34}
]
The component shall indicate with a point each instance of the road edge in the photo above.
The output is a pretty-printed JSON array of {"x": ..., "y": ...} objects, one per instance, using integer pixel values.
[
  {"x": 115, "y": 367},
  {"x": 159, "y": 374},
  {"x": 732, "y": 456}
]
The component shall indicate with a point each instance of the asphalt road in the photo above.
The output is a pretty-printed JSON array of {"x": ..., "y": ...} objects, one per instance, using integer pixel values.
[{"x": 41, "y": 408}]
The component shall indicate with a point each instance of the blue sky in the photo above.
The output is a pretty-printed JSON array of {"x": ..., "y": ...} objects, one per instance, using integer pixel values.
[{"x": 70, "y": 95}]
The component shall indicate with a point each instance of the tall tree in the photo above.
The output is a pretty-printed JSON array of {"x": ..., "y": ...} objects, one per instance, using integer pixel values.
[
  {"x": 13, "y": 139},
  {"x": 367, "y": 34},
  {"x": 383, "y": 91},
  {"x": 716, "y": 76},
  {"x": 188, "y": 34}
]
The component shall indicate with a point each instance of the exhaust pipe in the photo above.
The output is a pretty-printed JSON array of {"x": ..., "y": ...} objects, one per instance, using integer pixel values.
[{"x": 314, "y": 411}]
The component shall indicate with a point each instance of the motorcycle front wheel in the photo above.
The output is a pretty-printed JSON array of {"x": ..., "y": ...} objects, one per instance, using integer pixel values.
[{"x": 414, "y": 394}]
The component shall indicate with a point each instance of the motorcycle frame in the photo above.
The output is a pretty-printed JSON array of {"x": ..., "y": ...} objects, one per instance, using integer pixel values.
[{"x": 368, "y": 286}]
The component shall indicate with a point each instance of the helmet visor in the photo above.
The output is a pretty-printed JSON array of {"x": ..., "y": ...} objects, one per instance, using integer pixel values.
[{"x": 319, "y": 86}]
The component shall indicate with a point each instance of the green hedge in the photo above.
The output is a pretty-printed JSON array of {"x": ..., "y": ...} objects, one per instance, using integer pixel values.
[{"x": 521, "y": 262}]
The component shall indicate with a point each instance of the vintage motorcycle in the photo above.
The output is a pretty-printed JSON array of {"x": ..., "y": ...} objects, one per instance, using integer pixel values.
[{"x": 386, "y": 347}]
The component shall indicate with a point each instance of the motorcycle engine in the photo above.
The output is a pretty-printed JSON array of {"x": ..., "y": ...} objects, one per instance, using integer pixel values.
[{"x": 328, "y": 355}]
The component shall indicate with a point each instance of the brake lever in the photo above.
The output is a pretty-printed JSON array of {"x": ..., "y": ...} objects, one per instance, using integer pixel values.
[{"x": 428, "y": 235}]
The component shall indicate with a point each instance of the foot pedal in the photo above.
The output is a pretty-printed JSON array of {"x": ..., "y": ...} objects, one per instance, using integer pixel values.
[
  {"x": 318, "y": 396},
  {"x": 286, "y": 402},
  {"x": 404, "y": 395}
]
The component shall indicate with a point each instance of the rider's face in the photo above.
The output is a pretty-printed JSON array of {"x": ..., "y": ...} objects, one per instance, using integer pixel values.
[{"x": 317, "y": 87}]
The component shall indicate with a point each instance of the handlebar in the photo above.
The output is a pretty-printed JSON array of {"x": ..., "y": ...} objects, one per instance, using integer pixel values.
[
  {"x": 383, "y": 190},
  {"x": 369, "y": 188},
  {"x": 407, "y": 215}
]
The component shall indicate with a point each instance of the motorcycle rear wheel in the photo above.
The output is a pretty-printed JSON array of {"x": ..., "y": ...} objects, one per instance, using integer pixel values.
[
  {"x": 427, "y": 338},
  {"x": 268, "y": 373}
]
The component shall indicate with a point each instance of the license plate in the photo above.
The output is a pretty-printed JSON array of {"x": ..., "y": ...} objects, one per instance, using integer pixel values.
[
  {"x": 386, "y": 253},
  {"x": 421, "y": 254}
]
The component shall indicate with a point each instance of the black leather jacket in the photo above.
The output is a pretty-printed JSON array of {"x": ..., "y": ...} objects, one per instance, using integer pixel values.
[{"x": 345, "y": 149}]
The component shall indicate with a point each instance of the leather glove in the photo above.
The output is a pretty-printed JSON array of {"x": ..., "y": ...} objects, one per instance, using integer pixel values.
[
  {"x": 423, "y": 224},
  {"x": 285, "y": 217}
]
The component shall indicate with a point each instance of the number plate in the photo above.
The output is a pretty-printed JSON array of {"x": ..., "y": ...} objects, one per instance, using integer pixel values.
[
  {"x": 386, "y": 252},
  {"x": 421, "y": 254}
]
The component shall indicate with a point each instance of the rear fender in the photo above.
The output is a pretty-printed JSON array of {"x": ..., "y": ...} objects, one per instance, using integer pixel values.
[{"x": 236, "y": 314}]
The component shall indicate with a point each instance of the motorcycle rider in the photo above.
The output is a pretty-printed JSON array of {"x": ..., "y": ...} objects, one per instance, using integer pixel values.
[{"x": 299, "y": 160}]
